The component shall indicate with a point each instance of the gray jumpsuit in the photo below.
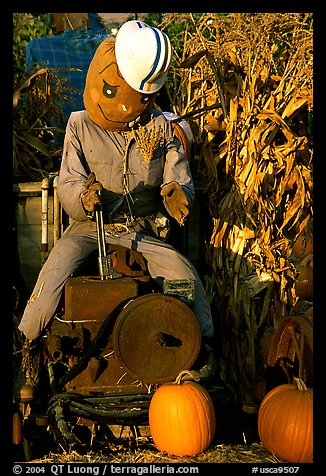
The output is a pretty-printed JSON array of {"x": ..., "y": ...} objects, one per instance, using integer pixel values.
[{"x": 132, "y": 183}]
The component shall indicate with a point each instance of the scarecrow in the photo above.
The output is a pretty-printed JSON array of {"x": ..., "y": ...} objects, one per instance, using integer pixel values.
[{"x": 124, "y": 148}]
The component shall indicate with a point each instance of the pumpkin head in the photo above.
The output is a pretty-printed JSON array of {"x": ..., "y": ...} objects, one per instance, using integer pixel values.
[
  {"x": 109, "y": 100},
  {"x": 182, "y": 418},
  {"x": 285, "y": 422}
]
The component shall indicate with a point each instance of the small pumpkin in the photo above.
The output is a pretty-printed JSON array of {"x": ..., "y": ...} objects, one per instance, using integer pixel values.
[
  {"x": 304, "y": 283},
  {"x": 303, "y": 244},
  {"x": 285, "y": 422},
  {"x": 182, "y": 418}
]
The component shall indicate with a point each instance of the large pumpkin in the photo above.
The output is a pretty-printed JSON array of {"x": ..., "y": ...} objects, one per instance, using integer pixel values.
[
  {"x": 182, "y": 418},
  {"x": 285, "y": 422}
]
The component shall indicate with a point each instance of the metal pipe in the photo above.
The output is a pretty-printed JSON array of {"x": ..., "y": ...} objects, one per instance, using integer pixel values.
[
  {"x": 56, "y": 212},
  {"x": 104, "y": 259},
  {"x": 44, "y": 219}
]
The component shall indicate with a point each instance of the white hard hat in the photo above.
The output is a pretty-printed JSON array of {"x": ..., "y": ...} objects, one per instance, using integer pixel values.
[{"x": 143, "y": 55}]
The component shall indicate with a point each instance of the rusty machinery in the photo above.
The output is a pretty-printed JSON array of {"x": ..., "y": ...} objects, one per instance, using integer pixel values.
[{"x": 116, "y": 339}]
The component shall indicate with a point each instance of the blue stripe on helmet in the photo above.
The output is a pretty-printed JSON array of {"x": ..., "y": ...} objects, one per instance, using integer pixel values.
[{"x": 158, "y": 54}]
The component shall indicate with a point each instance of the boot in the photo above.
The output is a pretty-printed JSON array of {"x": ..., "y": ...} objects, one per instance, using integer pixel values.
[{"x": 205, "y": 366}]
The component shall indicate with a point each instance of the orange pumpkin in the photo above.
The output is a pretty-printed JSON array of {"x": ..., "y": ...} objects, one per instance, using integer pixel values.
[
  {"x": 285, "y": 422},
  {"x": 303, "y": 244},
  {"x": 182, "y": 418},
  {"x": 304, "y": 283}
]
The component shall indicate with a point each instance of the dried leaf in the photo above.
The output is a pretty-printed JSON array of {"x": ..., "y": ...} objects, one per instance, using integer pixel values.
[
  {"x": 33, "y": 141},
  {"x": 192, "y": 60}
]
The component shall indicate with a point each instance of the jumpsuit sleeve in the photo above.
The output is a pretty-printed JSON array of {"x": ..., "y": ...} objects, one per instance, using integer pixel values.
[
  {"x": 177, "y": 168},
  {"x": 72, "y": 176}
]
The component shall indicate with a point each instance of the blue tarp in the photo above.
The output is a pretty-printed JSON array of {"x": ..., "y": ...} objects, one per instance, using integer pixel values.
[{"x": 70, "y": 49}]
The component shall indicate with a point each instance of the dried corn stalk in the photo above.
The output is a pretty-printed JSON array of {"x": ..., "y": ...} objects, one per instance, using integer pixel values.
[{"x": 249, "y": 95}]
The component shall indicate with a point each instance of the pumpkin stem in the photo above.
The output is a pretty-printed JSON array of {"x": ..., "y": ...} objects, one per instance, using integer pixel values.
[
  {"x": 186, "y": 375},
  {"x": 300, "y": 384}
]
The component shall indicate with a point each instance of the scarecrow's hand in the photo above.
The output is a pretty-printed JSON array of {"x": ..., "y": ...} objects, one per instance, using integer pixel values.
[
  {"x": 175, "y": 201},
  {"x": 90, "y": 197}
]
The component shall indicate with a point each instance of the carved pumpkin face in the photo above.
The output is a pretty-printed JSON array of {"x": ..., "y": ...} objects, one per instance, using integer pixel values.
[{"x": 109, "y": 101}]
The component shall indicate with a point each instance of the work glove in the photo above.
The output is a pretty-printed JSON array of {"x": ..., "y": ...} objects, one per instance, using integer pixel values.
[
  {"x": 175, "y": 201},
  {"x": 90, "y": 197}
]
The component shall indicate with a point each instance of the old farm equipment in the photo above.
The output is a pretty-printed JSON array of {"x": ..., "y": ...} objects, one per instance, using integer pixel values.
[{"x": 113, "y": 340}]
